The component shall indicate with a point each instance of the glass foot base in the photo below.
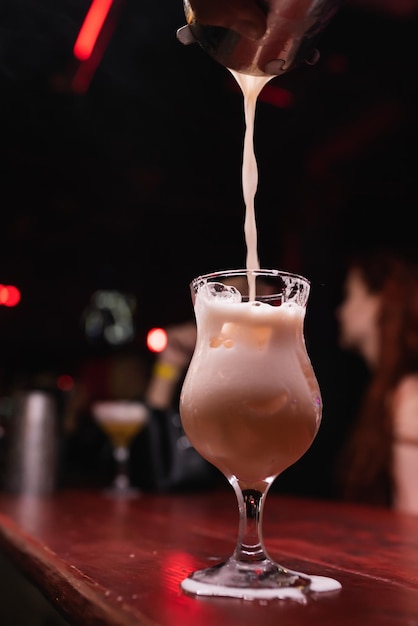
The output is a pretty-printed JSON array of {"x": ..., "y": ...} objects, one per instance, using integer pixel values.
[
  {"x": 122, "y": 494},
  {"x": 122, "y": 488},
  {"x": 230, "y": 581}
]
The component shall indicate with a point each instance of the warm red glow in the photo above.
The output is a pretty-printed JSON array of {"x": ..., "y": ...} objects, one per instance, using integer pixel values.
[
  {"x": 337, "y": 63},
  {"x": 65, "y": 382},
  {"x": 91, "y": 28},
  {"x": 9, "y": 295},
  {"x": 156, "y": 339},
  {"x": 277, "y": 96}
]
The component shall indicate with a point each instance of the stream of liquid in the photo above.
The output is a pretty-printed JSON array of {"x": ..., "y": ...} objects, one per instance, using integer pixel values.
[{"x": 251, "y": 87}]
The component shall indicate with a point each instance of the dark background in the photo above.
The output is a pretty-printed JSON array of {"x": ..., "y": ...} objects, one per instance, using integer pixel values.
[{"x": 135, "y": 183}]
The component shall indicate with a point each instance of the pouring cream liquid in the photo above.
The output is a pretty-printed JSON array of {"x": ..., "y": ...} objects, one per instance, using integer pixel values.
[
  {"x": 251, "y": 87},
  {"x": 250, "y": 403}
]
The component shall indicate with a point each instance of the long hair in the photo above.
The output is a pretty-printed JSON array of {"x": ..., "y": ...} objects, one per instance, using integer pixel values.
[{"x": 365, "y": 467}]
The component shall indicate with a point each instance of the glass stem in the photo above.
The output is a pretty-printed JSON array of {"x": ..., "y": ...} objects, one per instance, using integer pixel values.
[
  {"x": 250, "y": 547},
  {"x": 121, "y": 456}
]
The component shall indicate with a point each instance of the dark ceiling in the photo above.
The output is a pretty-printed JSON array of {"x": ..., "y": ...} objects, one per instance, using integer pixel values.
[{"x": 135, "y": 183}]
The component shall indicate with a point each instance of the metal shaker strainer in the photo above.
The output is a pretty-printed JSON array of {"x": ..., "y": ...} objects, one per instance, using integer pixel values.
[{"x": 293, "y": 30}]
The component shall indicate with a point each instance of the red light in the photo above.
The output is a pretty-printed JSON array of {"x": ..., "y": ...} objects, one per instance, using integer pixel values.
[
  {"x": 9, "y": 295},
  {"x": 91, "y": 28},
  {"x": 156, "y": 339},
  {"x": 277, "y": 96},
  {"x": 65, "y": 382}
]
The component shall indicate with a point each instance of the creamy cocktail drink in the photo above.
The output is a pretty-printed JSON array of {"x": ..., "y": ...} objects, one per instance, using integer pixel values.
[{"x": 250, "y": 403}]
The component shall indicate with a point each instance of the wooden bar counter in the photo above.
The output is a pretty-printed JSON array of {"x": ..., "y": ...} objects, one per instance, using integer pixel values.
[{"x": 119, "y": 563}]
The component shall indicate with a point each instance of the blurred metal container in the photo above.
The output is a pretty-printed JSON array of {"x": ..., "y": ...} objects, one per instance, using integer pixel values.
[
  {"x": 293, "y": 30},
  {"x": 32, "y": 459}
]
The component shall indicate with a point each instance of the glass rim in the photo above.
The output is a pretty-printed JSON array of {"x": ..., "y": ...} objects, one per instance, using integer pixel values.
[{"x": 272, "y": 273}]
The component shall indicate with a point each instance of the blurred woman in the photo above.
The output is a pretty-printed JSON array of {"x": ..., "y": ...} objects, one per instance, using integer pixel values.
[{"x": 378, "y": 319}]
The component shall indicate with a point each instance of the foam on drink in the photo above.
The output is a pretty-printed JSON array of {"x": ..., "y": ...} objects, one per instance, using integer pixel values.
[{"x": 120, "y": 420}]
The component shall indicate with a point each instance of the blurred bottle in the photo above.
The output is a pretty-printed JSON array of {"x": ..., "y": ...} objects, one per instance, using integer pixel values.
[
  {"x": 32, "y": 455},
  {"x": 290, "y": 39}
]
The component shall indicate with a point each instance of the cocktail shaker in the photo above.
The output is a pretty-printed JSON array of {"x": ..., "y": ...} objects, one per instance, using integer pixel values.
[
  {"x": 32, "y": 458},
  {"x": 290, "y": 39}
]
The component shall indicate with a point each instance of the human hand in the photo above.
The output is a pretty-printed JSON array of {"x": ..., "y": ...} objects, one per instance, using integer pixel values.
[
  {"x": 181, "y": 340},
  {"x": 170, "y": 365}
]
